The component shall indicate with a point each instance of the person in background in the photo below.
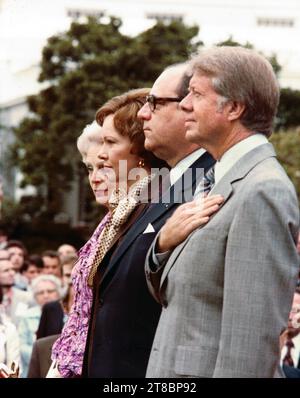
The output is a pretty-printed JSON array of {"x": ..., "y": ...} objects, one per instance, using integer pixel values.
[
  {"x": 45, "y": 288},
  {"x": 15, "y": 301},
  {"x": 290, "y": 341},
  {"x": 32, "y": 268},
  {"x": 9, "y": 338},
  {"x": 55, "y": 314},
  {"x": 52, "y": 264},
  {"x": 66, "y": 250},
  {"x": 18, "y": 254},
  {"x": 68, "y": 262}
]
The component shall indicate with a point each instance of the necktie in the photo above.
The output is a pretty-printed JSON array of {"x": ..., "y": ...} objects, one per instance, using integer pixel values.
[
  {"x": 209, "y": 180},
  {"x": 206, "y": 183},
  {"x": 122, "y": 208}
]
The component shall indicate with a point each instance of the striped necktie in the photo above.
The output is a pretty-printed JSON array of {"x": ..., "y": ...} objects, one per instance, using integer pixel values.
[
  {"x": 206, "y": 183},
  {"x": 209, "y": 180}
]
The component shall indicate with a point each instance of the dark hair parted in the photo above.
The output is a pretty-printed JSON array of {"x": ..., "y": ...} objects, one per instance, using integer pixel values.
[
  {"x": 124, "y": 109},
  {"x": 18, "y": 244}
]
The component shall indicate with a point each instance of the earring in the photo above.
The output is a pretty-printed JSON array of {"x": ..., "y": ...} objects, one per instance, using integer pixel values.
[{"x": 141, "y": 163}]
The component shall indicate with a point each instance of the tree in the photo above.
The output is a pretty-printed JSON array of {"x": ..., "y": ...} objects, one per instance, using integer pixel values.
[
  {"x": 287, "y": 146},
  {"x": 82, "y": 68},
  {"x": 288, "y": 111}
]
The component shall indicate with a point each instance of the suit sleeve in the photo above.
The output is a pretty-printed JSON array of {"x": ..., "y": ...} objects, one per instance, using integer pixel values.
[
  {"x": 261, "y": 267},
  {"x": 154, "y": 266}
]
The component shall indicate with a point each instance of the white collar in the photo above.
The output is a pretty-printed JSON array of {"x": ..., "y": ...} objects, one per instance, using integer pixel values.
[
  {"x": 236, "y": 152},
  {"x": 177, "y": 171}
]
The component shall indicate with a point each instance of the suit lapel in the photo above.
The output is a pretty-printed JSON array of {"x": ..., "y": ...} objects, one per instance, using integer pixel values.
[
  {"x": 224, "y": 187},
  {"x": 158, "y": 210},
  {"x": 138, "y": 212},
  {"x": 133, "y": 231}
]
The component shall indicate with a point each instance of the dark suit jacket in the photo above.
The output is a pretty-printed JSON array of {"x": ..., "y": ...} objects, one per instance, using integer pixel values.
[
  {"x": 40, "y": 361},
  {"x": 124, "y": 315},
  {"x": 52, "y": 320}
]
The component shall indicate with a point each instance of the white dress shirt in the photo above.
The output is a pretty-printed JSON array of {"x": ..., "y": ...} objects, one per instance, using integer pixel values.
[
  {"x": 177, "y": 171},
  {"x": 227, "y": 161},
  {"x": 236, "y": 152}
]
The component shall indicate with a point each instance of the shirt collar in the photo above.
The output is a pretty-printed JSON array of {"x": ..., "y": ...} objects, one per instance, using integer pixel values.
[
  {"x": 236, "y": 152},
  {"x": 177, "y": 171}
]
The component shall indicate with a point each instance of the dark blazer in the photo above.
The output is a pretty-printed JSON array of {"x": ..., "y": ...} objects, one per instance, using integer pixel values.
[
  {"x": 124, "y": 315},
  {"x": 52, "y": 319},
  {"x": 40, "y": 361}
]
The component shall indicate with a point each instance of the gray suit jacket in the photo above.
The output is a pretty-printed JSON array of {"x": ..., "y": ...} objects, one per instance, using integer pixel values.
[{"x": 227, "y": 289}]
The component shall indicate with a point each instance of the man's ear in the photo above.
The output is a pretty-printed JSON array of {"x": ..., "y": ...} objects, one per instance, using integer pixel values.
[{"x": 235, "y": 110}]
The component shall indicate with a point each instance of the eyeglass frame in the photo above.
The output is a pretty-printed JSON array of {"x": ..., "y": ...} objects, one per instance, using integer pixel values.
[{"x": 160, "y": 100}]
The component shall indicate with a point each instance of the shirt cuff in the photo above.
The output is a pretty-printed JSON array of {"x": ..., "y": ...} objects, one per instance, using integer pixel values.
[{"x": 158, "y": 259}]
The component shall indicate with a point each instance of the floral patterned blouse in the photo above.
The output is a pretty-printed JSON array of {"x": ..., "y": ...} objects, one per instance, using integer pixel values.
[{"x": 68, "y": 350}]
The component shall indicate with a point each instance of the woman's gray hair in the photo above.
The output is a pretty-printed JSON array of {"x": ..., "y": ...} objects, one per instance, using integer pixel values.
[
  {"x": 47, "y": 278},
  {"x": 242, "y": 75},
  {"x": 90, "y": 135}
]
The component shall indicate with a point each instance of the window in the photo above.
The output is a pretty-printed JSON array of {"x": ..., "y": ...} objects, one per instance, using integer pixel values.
[
  {"x": 79, "y": 13},
  {"x": 164, "y": 17},
  {"x": 276, "y": 22}
]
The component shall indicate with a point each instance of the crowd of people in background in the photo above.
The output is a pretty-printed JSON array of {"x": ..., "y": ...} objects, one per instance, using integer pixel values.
[
  {"x": 35, "y": 299},
  {"x": 194, "y": 279}
]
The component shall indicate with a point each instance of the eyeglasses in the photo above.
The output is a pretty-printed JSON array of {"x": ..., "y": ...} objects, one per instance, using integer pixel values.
[
  {"x": 152, "y": 100},
  {"x": 48, "y": 291}
]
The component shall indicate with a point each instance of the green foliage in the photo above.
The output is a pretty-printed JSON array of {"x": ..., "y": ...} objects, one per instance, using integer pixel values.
[
  {"x": 231, "y": 42},
  {"x": 288, "y": 111},
  {"x": 83, "y": 68},
  {"x": 287, "y": 146}
]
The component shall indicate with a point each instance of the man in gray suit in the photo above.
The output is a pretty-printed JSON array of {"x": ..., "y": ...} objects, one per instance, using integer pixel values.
[{"x": 227, "y": 289}]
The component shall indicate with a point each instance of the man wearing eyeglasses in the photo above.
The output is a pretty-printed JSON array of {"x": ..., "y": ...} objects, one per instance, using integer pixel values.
[
  {"x": 164, "y": 122},
  {"x": 226, "y": 290},
  {"x": 164, "y": 131}
]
